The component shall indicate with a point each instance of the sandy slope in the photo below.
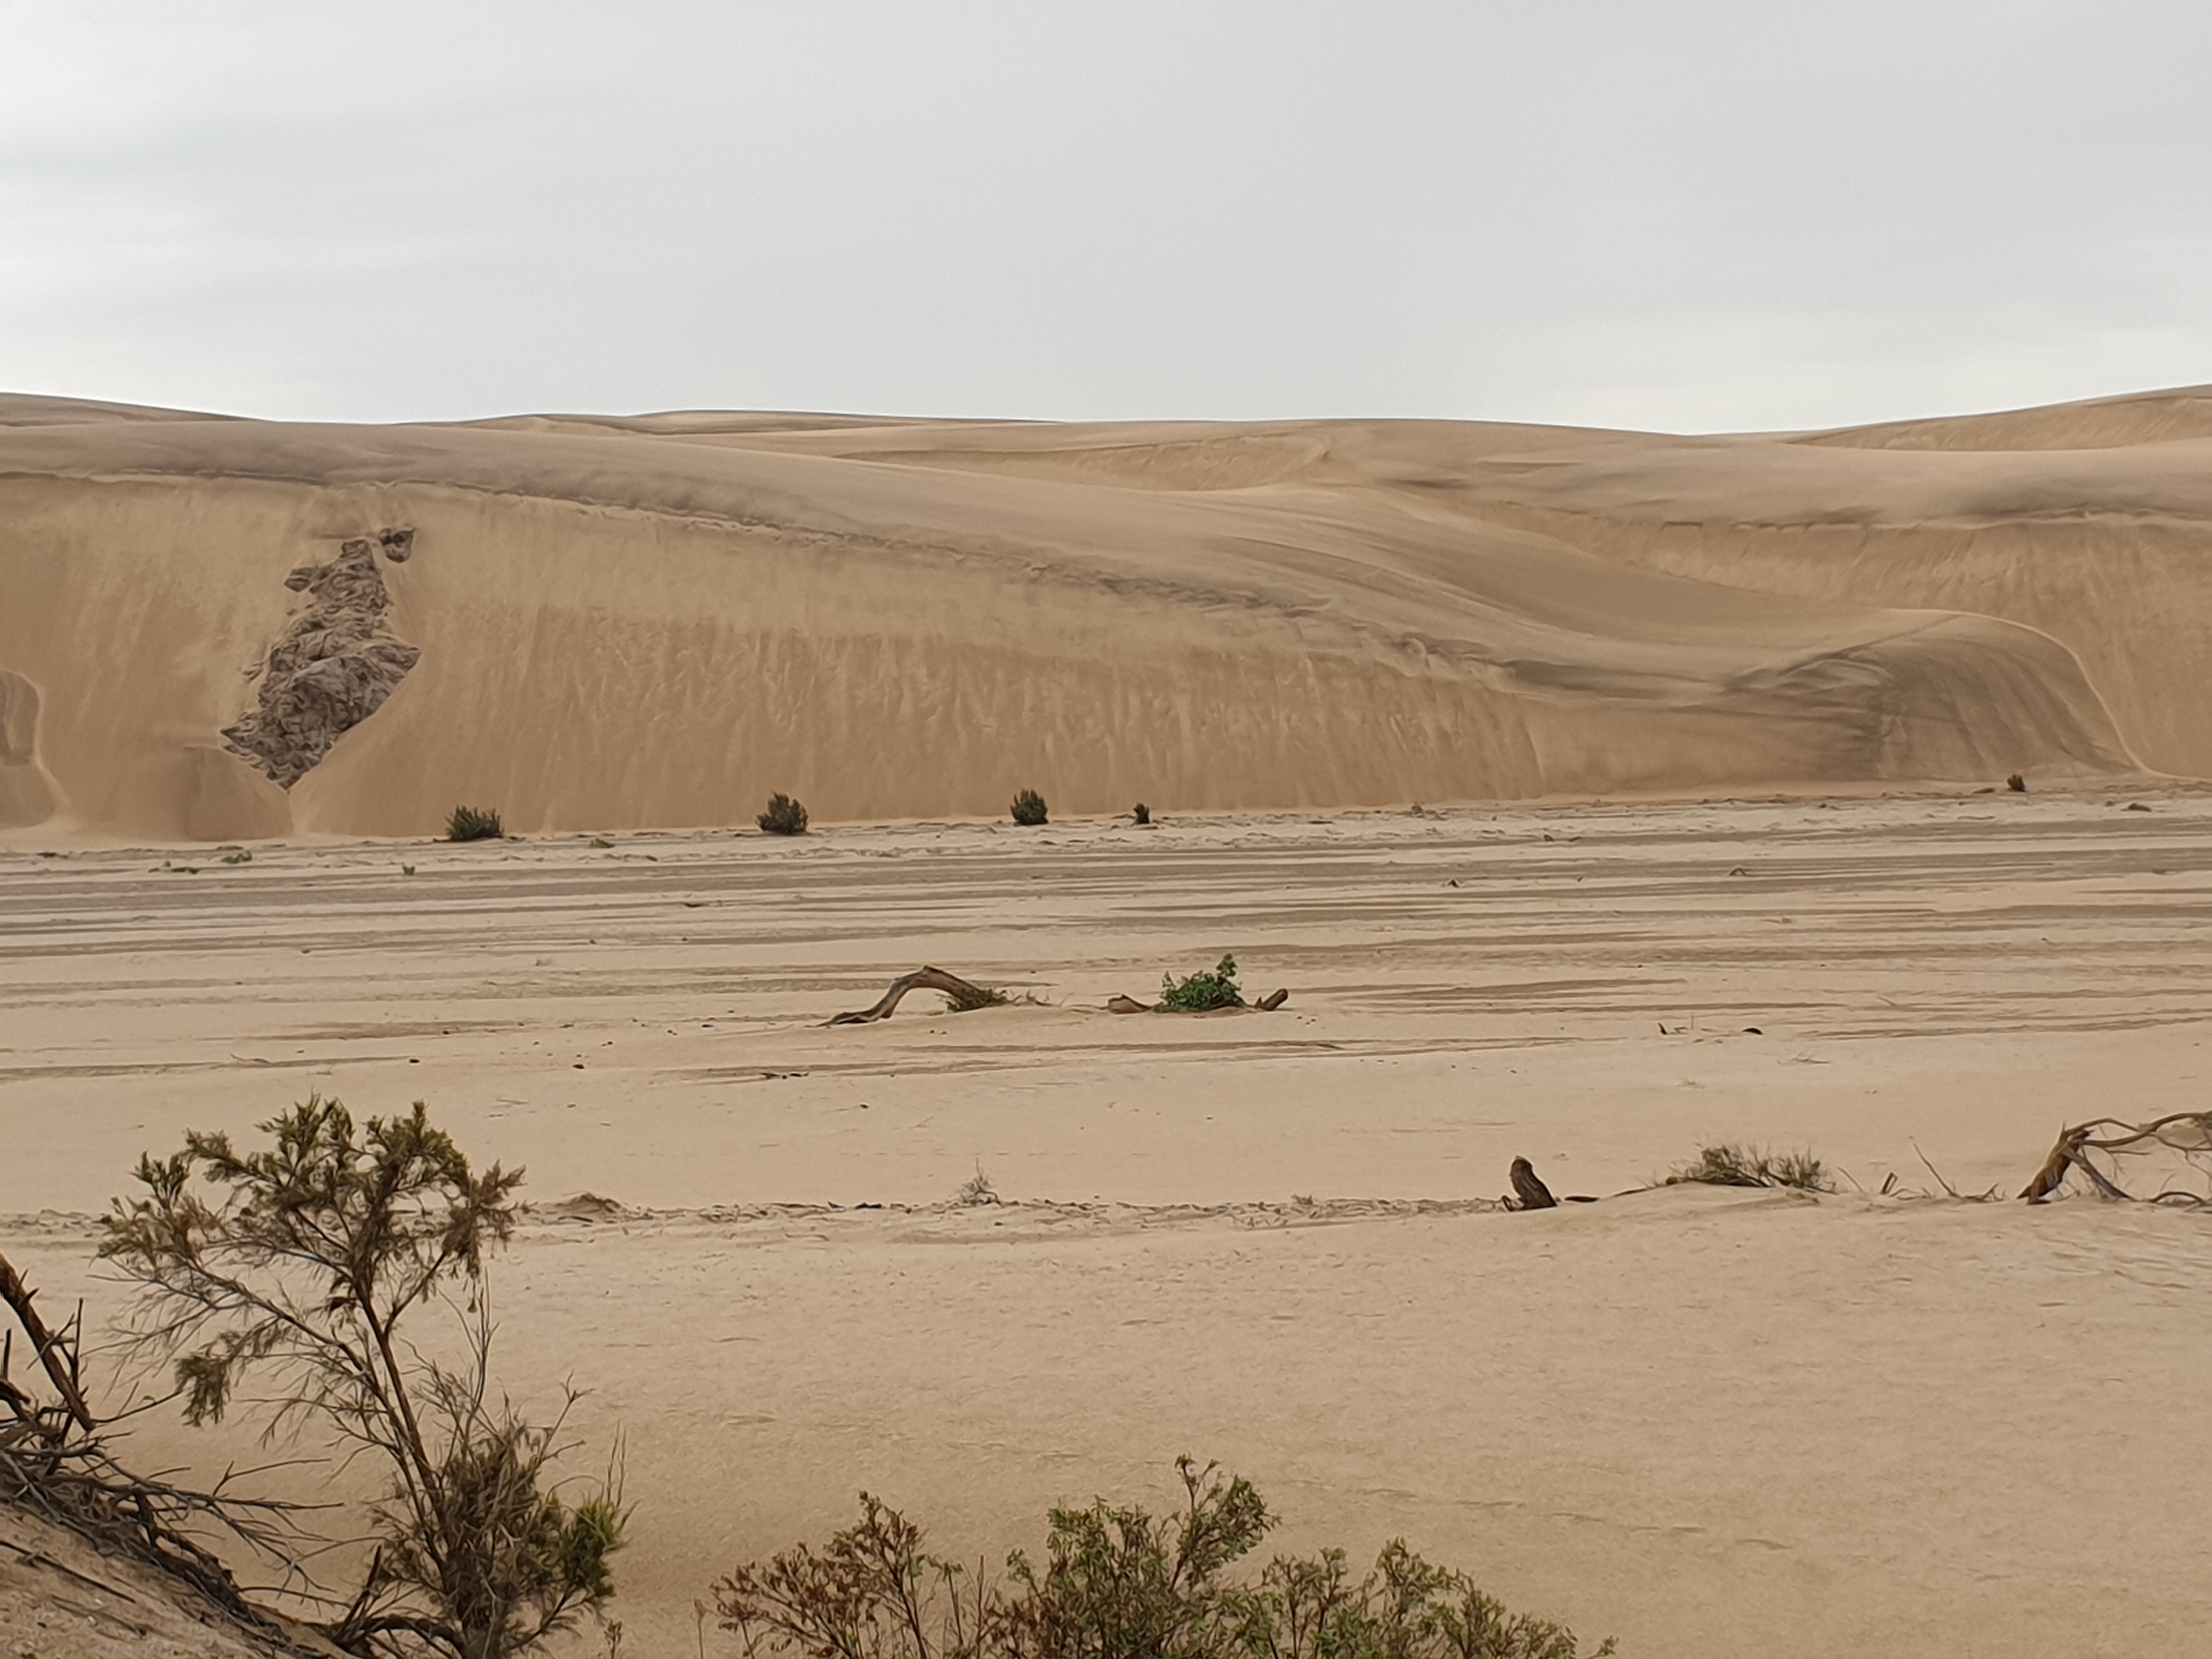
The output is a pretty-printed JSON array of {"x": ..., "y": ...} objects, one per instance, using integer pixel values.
[
  {"x": 1714, "y": 1423},
  {"x": 655, "y": 621}
]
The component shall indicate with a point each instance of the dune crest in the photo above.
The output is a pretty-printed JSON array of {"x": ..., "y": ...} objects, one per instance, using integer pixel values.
[{"x": 627, "y": 622}]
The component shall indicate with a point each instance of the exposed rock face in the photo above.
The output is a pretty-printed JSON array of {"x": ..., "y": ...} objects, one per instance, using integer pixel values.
[{"x": 335, "y": 665}]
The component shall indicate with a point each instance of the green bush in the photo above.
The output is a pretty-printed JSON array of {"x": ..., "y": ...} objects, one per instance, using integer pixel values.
[
  {"x": 1731, "y": 1165},
  {"x": 1029, "y": 808},
  {"x": 1201, "y": 991},
  {"x": 784, "y": 817},
  {"x": 297, "y": 1264},
  {"x": 1119, "y": 1582},
  {"x": 473, "y": 824}
]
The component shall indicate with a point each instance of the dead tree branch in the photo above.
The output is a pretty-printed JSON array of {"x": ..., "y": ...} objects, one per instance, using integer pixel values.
[{"x": 962, "y": 993}]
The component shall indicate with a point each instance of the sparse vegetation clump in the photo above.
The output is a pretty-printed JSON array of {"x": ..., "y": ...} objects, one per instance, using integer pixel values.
[
  {"x": 1142, "y": 814},
  {"x": 968, "y": 998},
  {"x": 1119, "y": 1582},
  {"x": 1029, "y": 808},
  {"x": 1199, "y": 992},
  {"x": 301, "y": 1262},
  {"x": 784, "y": 817},
  {"x": 2016, "y": 783},
  {"x": 473, "y": 824},
  {"x": 1731, "y": 1165},
  {"x": 975, "y": 1190}
]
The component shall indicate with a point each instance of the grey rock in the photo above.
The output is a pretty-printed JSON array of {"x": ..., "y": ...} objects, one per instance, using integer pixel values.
[{"x": 335, "y": 665}]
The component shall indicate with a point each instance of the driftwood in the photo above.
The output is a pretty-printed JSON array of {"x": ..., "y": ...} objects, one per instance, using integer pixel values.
[
  {"x": 55, "y": 1355},
  {"x": 961, "y": 992},
  {"x": 2186, "y": 1133},
  {"x": 55, "y": 1461},
  {"x": 1529, "y": 1187}
]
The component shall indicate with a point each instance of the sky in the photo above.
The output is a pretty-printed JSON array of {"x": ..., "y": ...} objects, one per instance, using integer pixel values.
[{"x": 1767, "y": 214}]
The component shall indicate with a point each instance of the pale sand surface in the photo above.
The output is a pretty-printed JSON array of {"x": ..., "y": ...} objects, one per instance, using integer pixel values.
[
  {"x": 1712, "y": 1423},
  {"x": 655, "y": 621}
]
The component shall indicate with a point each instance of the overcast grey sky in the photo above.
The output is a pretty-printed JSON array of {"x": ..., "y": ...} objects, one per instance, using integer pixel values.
[{"x": 1626, "y": 212}]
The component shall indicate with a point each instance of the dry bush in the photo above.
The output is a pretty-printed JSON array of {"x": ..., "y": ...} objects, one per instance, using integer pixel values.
[
  {"x": 1732, "y": 1165},
  {"x": 1028, "y": 808},
  {"x": 303, "y": 1261},
  {"x": 784, "y": 817},
  {"x": 1119, "y": 1582},
  {"x": 57, "y": 1460},
  {"x": 473, "y": 824}
]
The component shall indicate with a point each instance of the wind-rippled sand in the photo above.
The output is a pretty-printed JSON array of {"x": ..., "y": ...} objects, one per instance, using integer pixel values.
[{"x": 1712, "y": 1422}]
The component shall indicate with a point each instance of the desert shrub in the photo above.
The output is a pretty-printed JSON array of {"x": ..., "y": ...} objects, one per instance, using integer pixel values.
[
  {"x": 1119, "y": 1582},
  {"x": 303, "y": 1261},
  {"x": 1202, "y": 990},
  {"x": 975, "y": 1190},
  {"x": 1731, "y": 1165},
  {"x": 2016, "y": 783},
  {"x": 1142, "y": 814},
  {"x": 968, "y": 1000},
  {"x": 1029, "y": 808},
  {"x": 784, "y": 817},
  {"x": 473, "y": 824}
]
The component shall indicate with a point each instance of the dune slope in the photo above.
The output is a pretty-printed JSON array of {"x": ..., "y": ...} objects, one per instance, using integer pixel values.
[{"x": 624, "y": 622}]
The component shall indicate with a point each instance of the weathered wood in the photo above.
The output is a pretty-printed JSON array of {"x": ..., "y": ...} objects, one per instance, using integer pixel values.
[
  {"x": 50, "y": 1350},
  {"x": 921, "y": 979},
  {"x": 1529, "y": 1187}
]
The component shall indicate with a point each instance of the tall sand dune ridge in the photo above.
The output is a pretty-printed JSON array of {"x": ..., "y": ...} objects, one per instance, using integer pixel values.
[{"x": 216, "y": 629}]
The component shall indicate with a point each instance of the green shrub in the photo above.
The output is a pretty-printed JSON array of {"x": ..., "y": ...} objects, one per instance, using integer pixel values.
[
  {"x": 1119, "y": 1582},
  {"x": 784, "y": 817},
  {"x": 473, "y": 824},
  {"x": 1029, "y": 808},
  {"x": 1201, "y": 991},
  {"x": 1731, "y": 1165},
  {"x": 297, "y": 1264}
]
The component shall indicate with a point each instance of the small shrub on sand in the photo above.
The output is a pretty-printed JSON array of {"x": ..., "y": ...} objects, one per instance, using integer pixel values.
[
  {"x": 1731, "y": 1165},
  {"x": 1201, "y": 991},
  {"x": 1142, "y": 814},
  {"x": 1029, "y": 808},
  {"x": 2017, "y": 784},
  {"x": 969, "y": 1000},
  {"x": 1120, "y": 1582},
  {"x": 784, "y": 817},
  {"x": 975, "y": 1190},
  {"x": 473, "y": 824}
]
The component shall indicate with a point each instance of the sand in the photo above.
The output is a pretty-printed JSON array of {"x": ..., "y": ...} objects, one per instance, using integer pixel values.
[
  {"x": 655, "y": 621},
  {"x": 1712, "y": 1423}
]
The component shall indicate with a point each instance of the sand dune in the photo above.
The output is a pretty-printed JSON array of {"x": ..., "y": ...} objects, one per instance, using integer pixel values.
[{"x": 626, "y": 621}]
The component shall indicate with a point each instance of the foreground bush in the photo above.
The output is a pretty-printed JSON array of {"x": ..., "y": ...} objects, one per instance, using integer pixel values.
[
  {"x": 473, "y": 824},
  {"x": 1121, "y": 1583},
  {"x": 301, "y": 1262},
  {"x": 784, "y": 817},
  {"x": 1201, "y": 991},
  {"x": 1029, "y": 808}
]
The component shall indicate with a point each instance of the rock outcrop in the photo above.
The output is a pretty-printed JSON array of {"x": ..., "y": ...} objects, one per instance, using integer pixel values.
[{"x": 335, "y": 665}]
